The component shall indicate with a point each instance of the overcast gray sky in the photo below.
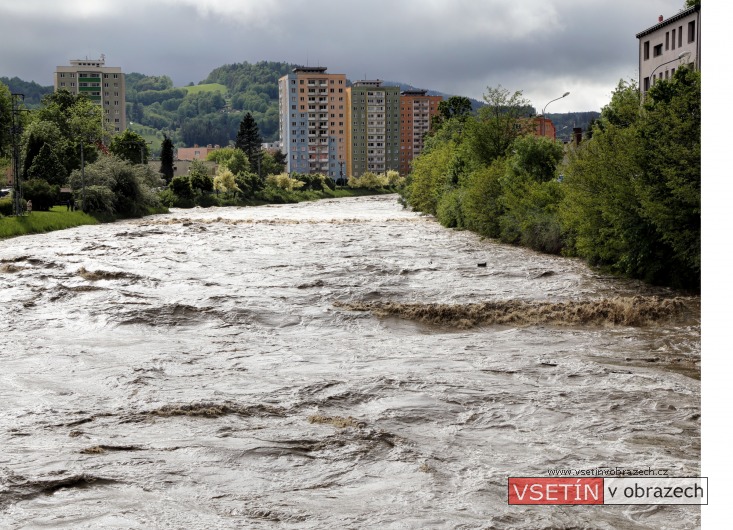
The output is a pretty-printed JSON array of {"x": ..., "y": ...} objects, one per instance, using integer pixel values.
[{"x": 542, "y": 47}]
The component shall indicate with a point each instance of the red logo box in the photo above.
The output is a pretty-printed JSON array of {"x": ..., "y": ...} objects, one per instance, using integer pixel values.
[{"x": 554, "y": 490}]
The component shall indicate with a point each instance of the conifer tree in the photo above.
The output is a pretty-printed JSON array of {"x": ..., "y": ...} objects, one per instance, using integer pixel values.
[
  {"x": 166, "y": 159},
  {"x": 46, "y": 166},
  {"x": 249, "y": 139}
]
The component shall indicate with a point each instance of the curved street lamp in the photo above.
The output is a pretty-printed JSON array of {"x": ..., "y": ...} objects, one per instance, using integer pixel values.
[
  {"x": 683, "y": 55},
  {"x": 542, "y": 127}
]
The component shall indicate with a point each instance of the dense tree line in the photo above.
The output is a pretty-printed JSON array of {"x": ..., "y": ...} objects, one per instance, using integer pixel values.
[
  {"x": 32, "y": 91},
  {"x": 67, "y": 131},
  {"x": 627, "y": 199}
]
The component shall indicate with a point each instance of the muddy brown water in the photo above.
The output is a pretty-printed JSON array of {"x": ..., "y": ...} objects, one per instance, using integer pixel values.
[{"x": 336, "y": 364}]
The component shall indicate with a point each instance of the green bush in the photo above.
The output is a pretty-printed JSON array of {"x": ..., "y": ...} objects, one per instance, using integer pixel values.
[
  {"x": 315, "y": 181},
  {"x": 6, "y": 206},
  {"x": 42, "y": 194},
  {"x": 249, "y": 184},
  {"x": 167, "y": 197},
  {"x": 368, "y": 180},
  {"x": 482, "y": 199},
  {"x": 450, "y": 213},
  {"x": 283, "y": 181},
  {"x": 131, "y": 186},
  {"x": 98, "y": 199},
  {"x": 205, "y": 200},
  {"x": 181, "y": 187}
]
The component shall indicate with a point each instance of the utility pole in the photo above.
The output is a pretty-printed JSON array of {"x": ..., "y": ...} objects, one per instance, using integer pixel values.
[
  {"x": 16, "y": 130},
  {"x": 83, "y": 180}
]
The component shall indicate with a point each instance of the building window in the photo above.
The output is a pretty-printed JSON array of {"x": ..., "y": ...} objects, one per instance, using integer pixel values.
[
  {"x": 679, "y": 37},
  {"x": 666, "y": 41},
  {"x": 657, "y": 50},
  {"x": 674, "y": 39},
  {"x": 691, "y": 31},
  {"x": 646, "y": 50}
]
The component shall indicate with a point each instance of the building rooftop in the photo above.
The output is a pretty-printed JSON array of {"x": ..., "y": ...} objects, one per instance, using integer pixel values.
[
  {"x": 310, "y": 69},
  {"x": 670, "y": 20},
  {"x": 88, "y": 62},
  {"x": 364, "y": 82}
]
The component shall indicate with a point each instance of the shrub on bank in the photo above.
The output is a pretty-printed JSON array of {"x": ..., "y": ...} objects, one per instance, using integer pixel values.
[
  {"x": 284, "y": 182},
  {"x": 42, "y": 194},
  {"x": 369, "y": 180},
  {"x": 117, "y": 187},
  {"x": 6, "y": 206}
]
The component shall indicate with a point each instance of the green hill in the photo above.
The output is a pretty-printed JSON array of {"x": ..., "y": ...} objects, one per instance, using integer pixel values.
[{"x": 209, "y": 87}]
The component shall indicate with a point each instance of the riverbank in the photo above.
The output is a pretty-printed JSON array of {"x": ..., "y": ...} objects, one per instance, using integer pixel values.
[
  {"x": 270, "y": 195},
  {"x": 59, "y": 218}
]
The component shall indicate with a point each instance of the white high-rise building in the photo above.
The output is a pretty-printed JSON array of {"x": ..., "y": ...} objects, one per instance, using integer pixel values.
[{"x": 102, "y": 84}]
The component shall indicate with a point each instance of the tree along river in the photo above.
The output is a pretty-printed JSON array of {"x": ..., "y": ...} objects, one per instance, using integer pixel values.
[{"x": 337, "y": 364}]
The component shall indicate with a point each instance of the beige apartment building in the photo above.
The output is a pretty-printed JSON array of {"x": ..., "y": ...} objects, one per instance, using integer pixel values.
[
  {"x": 313, "y": 121},
  {"x": 104, "y": 85},
  {"x": 668, "y": 45}
]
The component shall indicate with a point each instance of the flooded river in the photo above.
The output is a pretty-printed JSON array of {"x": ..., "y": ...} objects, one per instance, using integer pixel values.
[{"x": 336, "y": 364}]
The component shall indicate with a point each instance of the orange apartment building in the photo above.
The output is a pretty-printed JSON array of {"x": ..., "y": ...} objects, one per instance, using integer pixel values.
[
  {"x": 416, "y": 112},
  {"x": 195, "y": 152},
  {"x": 544, "y": 127}
]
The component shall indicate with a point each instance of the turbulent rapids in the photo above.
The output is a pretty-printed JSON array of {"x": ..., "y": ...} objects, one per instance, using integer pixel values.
[
  {"x": 626, "y": 311},
  {"x": 338, "y": 364}
]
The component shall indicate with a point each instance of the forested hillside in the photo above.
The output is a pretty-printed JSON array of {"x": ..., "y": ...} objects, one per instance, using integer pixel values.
[
  {"x": 32, "y": 91},
  {"x": 208, "y": 113}
]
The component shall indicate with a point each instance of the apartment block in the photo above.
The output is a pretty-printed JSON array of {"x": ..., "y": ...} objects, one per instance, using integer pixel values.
[
  {"x": 373, "y": 142},
  {"x": 104, "y": 85},
  {"x": 416, "y": 112},
  {"x": 668, "y": 45},
  {"x": 313, "y": 121}
]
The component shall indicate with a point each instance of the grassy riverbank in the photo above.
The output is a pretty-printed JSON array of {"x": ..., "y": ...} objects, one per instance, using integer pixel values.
[
  {"x": 39, "y": 222},
  {"x": 58, "y": 218}
]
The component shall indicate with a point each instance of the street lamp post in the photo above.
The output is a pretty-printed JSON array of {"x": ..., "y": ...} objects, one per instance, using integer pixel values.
[
  {"x": 83, "y": 180},
  {"x": 542, "y": 124},
  {"x": 683, "y": 55}
]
